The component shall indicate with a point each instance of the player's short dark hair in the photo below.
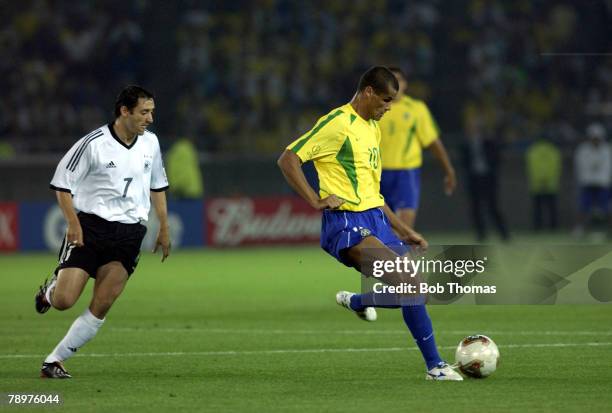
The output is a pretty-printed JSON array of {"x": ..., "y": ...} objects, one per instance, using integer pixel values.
[
  {"x": 129, "y": 96},
  {"x": 398, "y": 71},
  {"x": 379, "y": 78}
]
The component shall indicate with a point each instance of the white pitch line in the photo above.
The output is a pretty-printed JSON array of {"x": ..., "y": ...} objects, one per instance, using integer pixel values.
[
  {"x": 296, "y": 351},
  {"x": 350, "y": 332}
]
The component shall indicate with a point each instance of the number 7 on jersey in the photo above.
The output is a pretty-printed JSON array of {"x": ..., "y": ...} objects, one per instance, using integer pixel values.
[{"x": 128, "y": 181}]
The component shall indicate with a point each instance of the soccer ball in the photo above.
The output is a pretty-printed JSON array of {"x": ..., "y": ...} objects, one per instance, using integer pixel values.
[{"x": 477, "y": 356}]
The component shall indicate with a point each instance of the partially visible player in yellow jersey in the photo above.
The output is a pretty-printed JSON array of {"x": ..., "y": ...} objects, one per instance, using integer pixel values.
[
  {"x": 357, "y": 226},
  {"x": 406, "y": 130}
]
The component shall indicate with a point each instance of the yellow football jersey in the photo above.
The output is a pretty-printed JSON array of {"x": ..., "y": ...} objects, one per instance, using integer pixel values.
[
  {"x": 406, "y": 129},
  {"x": 345, "y": 150}
]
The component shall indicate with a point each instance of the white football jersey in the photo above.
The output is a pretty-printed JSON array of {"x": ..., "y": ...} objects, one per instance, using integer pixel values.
[
  {"x": 110, "y": 179},
  {"x": 593, "y": 164}
]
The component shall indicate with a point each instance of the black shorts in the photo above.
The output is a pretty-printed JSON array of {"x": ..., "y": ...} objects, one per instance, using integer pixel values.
[{"x": 105, "y": 241}]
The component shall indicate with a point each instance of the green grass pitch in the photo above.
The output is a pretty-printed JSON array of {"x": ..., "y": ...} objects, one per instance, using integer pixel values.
[{"x": 258, "y": 330}]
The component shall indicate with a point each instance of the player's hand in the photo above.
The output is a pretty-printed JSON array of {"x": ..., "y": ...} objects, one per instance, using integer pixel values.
[
  {"x": 74, "y": 234},
  {"x": 414, "y": 238},
  {"x": 450, "y": 183},
  {"x": 163, "y": 241},
  {"x": 330, "y": 202}
]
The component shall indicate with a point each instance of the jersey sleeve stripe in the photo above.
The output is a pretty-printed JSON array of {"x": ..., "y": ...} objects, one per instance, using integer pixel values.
[
  {"x": 320, "y": 126},
  {"x": 57, "y": 188},
  {"x": 72, "y": 166},
  {"x": 86, "y": 137},
  {"x": 162, "y": 189}
]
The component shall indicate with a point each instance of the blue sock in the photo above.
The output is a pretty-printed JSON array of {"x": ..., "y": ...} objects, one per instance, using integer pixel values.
[
  {"x": 361, "y": 301},
  {"x": 419, "y": 324}
]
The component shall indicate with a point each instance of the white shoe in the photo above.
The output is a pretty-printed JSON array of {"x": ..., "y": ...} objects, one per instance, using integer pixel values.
[
  {"x": 343, "y": 298},
  {"x": 443, "y": 372}
]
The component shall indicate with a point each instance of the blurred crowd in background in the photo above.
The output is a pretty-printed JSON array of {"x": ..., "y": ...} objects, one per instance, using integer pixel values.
[{"x": 246, "y": 77}]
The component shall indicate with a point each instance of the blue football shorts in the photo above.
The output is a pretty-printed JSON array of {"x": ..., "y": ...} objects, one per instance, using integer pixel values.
[
  {"x": 591, "y": 196},
  {"x": 341, "y": 230},
  {"x": 401, "y": 188}
]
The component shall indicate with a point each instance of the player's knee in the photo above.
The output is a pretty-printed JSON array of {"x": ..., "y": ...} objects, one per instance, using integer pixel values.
[{"x": 63, "y": 301}]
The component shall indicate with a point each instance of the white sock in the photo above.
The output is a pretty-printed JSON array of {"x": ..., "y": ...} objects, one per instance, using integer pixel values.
[
  {"x": 82, "y": 330},
  {"x": 49, "y": 292}
]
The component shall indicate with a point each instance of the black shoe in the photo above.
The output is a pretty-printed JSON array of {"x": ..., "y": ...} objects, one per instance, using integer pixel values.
[
  {"x": 54, "y": 370},
  {"x": 40, "y": 301}
]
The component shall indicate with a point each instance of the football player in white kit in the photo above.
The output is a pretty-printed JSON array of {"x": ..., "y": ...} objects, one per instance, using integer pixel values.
[{"x": 110, "y": 176}]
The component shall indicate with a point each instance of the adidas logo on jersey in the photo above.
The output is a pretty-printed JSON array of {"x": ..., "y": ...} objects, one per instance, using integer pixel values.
[{"x": 111, "y": 164}]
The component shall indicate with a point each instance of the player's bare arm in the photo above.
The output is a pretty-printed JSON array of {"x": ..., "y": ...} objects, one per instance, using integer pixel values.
[
  {"x": 450, "y": 178},
  {"x": 404, "y": 231},
  {"x": 158, "y": 199},
  {"x": 291, "y": 167},
  {"x": 74, "y": 233}
]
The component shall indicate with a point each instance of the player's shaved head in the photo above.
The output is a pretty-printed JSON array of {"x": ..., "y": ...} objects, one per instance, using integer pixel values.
[
  {"x": 379, "y": 78},
  {"x": 129, "y": 96}
]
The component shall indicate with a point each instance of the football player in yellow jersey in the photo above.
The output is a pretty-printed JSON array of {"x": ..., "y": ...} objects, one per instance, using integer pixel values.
[
  {"x": 357, "y": 225},
  {"x": 406, "y": 130}
]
